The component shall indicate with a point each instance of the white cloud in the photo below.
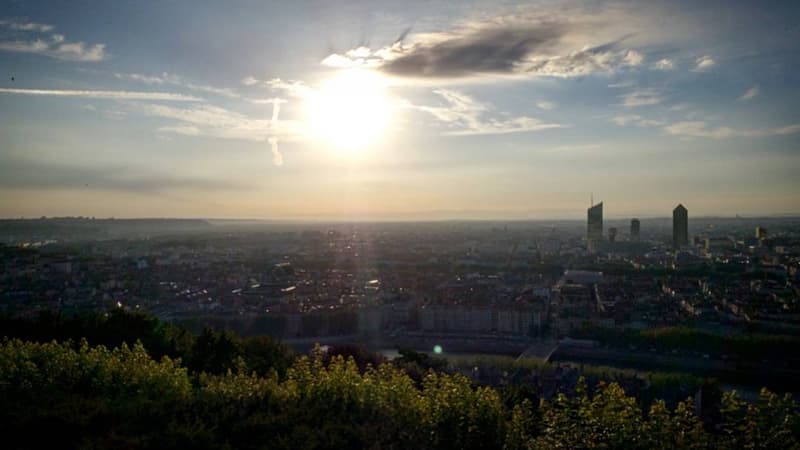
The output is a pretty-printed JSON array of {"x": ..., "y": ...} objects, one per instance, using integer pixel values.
[
  {"x": 664, "y": 64},
  {"x": 701, "y": 129},
  {"x": 704, "y": 63},
  {"x": 641, "y": 97},
  {"x": 633, "y": 58},
  {"x": 249, "y": 81},
  {"x": 546, "y": 105},
  {"x": 26, "y": 26},
  {"x": 635, "y": 119},
  {"x": 750, "y": 94},
  {"x": 464, "y": 116},
  {"x": 175, "y": 80},
  {"x": 213, "y": 121},
  {"x": 24, "y": 39},
  {"x": 292, "y": 88},
  {"x": 111, "y": 95}
]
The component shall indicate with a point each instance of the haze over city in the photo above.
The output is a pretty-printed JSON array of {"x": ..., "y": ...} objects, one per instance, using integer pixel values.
[{"x": 398, "y": 110}]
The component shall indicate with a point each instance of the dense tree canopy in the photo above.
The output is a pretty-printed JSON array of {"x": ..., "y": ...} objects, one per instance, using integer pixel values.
[{"x": 216, "y": 390}]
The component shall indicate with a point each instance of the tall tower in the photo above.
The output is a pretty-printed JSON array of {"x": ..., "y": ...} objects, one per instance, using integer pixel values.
[
  {"x": 594, "y": 223},
  {"x": 680, "y": 226},
  {"x": 635, "y": 228}
]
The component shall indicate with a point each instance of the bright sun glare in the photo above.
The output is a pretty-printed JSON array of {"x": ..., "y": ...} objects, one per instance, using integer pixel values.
[{"x": 351, "y": 110}]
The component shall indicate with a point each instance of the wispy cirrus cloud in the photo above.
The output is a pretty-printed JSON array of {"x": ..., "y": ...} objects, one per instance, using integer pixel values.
[
  {"x": 701, "y": 129},
  {"x": 704, "y": 63},
  {"x": 175, "y": 80},
  {"x": 664, "y": 64},
  {"x": 101, "y": 94},
  {"x": 291, "y": 88},
  {"x": 546, "y": 105},
  {"x": 30, "y": 37},
  {"x": 750, "y": 94},
  {"x": 212, "y": 121},
  {"x": 465, "y": 116},
  {"x": 637, "y": 120},
  {"x": 26, "y": 26},
  {"x": 641, "y": 97}
]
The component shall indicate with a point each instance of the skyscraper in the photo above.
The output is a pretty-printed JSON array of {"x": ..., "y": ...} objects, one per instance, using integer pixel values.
[
  {"x": 594, "y": 223},
  {"x": 680, "y": 226},
  {"x": 635, "y": 226},
  {"x": 612, "y": 234}
]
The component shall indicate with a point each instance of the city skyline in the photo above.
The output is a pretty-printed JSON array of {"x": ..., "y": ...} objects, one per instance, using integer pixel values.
[{"x": 379, "y": 111}]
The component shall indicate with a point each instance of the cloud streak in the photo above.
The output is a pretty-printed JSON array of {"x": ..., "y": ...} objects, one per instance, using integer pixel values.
[
  {"x": 212, "y": 121},
  {"x": 29, "y": 37},
  {"x": 750, "y": 94},
  {"x": 99, "y": 94},
  {"x": 175, "y": 80},
  {"x": 465, "y": 116},
  {"x": 704, "y": 64},
  {"x": 641, "y": 97},
  {"x": 701, "y": 129}
]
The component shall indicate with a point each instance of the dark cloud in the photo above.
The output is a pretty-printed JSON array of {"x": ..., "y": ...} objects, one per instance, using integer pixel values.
[
  {"x": 503, "y": 46},
  {"x": 489, "y": 50}
]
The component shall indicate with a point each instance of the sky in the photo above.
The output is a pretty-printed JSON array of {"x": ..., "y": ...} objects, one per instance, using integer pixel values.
[{"x": 386, "y": 110}]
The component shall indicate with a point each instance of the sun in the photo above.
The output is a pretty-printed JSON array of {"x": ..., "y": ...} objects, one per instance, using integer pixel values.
[{"x": 350, "y": 111}]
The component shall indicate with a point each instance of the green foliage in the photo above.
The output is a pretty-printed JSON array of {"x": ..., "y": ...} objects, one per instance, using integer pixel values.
[
  {"x": 228, "y": 392},
  {"x": 210, "y": 351}
]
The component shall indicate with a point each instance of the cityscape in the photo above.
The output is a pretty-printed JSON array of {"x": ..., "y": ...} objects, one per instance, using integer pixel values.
[
  {"x": 508, "y": 288},
  {"x": 427, "y": 225}
]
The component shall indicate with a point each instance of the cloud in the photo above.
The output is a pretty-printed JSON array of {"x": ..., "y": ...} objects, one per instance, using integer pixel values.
[
  {"x": 110, "y": 95},
  {"x": 701, "y": 129},
  {"x": 212, "y": 121},
  {"x": 175, "y": 80},
  {"x": 633, "y": 58},
  {"x": 641, "y": 97},
  {"x": 292, "y": 88},
  {"x": 546, "y": 105},
  {"x": 750, "y": 94},
  {"x": 635, "y": 119},
  {"x": 26, "y": 26},
  {"x": 704, "y": 63},
  {"x": 277, "y": 157},
  {"x": 498, "y": 46},
  {"x": 29, "y": 37},
  {"x": 249, "y": 81},
  {"x": 622, "y": 84},
  {"x": 664, "y": 64},
  {"x": 465, "y": 116}
]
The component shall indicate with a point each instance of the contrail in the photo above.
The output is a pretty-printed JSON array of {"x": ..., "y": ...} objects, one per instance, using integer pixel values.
[{"x": 277, "y": 157}]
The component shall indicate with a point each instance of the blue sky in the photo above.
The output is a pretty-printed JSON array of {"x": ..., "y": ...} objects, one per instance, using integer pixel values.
[{"x": 487, "y": 109}]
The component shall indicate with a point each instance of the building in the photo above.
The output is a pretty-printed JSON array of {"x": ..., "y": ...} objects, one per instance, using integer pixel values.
[
  {"x": 761, "y": 233},
  {"x": 594, "y": 224},
  {"x": 680, "y": 226},
  {"x": 612, "y": 234},
  {"x": 635, "y": 229}
]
